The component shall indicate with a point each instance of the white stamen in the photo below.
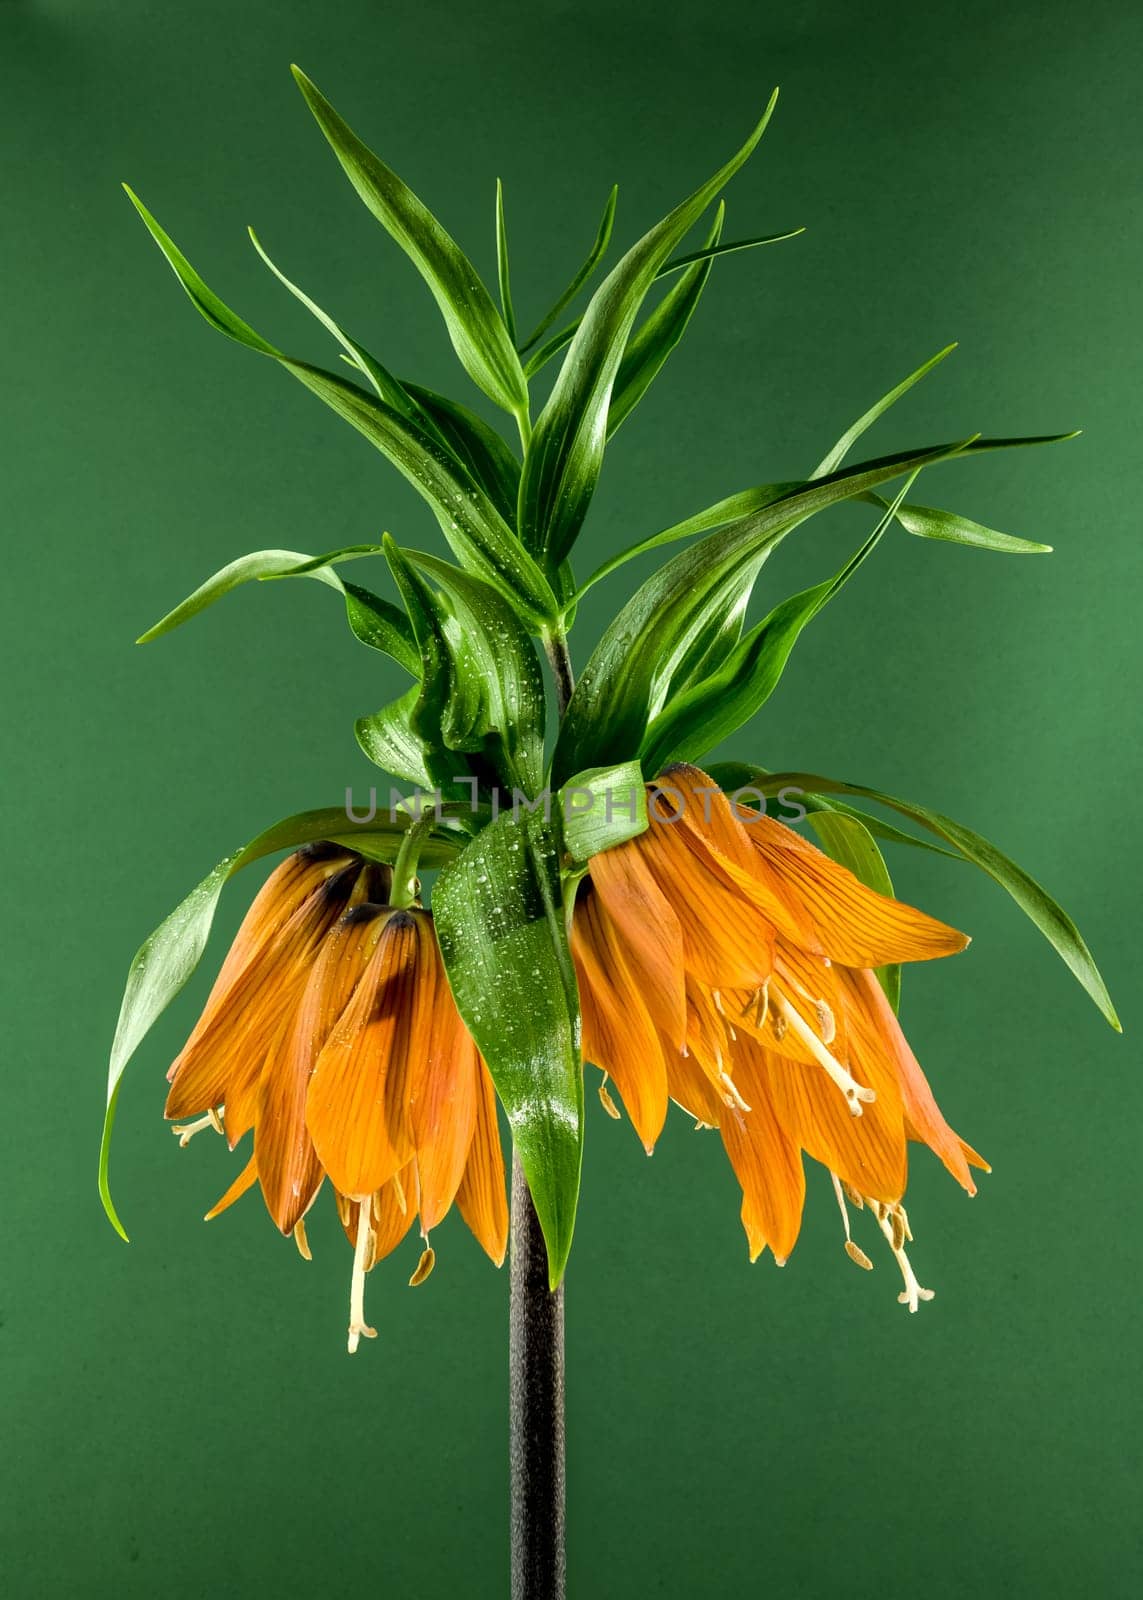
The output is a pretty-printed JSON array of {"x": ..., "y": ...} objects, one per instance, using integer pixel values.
[
  {"x": 853, "y": 1251},
  {"x": 357, "y": 1322},
  {"x": 855, "y": 1093},
  {"x": 185, "y": 1132},
  {"x": 912, "y": 1293}
]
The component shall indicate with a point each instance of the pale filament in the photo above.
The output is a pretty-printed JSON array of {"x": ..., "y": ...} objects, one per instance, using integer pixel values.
[
  {"x": 894, "y": 1225},
  {"x": 184, "y": 1132},
  {"x": 853, "y": 1251},
  {"x": 357, "y": 1323},
  {"x": 855, "y": 1093}
]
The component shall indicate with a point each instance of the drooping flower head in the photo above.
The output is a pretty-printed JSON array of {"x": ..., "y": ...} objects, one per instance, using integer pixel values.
[
  {"x": 332, "y": 1034},
  {"x": 725, "y": 963}
]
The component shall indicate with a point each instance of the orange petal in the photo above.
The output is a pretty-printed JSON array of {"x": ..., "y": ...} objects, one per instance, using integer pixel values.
[
  {"x": 691, "y": 1088},
  {"x": 482, "y": 1195},
  {"x": 288, "y": 1168},
  {"x": 289, "y": 885},
  {"x": 766, "y": 1161},
  {"x": 442, "y": 1096},
  {"x": 716, "y": 837},
  {"x": 872, "y": 1020},
  {"x": 726, "y": 940},
  {"x": 223, "y": 1057},
  {"x": 856, "y": 926},
  {"x": 619, "y": 1033},
  {"x": 649, "y": 931},
  {"x": 868, "y": 1152},
  {"x": 357, "y": 1107},
  {"x": 246, "y": 1179}
]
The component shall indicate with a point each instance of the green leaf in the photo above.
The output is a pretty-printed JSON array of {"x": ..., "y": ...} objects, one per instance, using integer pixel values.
[
  {"x": 850, "y": 843},
  {"x": 601, "y": 808},
  {"x": 478, "y": 448},
  {"x": 473, "y": 527},
  {"x": 564, "y": 457},
  {"x": 167, "y": 959},
  {"x": 502, "y": 265},
  {"x": 709, "y": 710},
  {"x": 834, "y": 458},
  {"x": 556, "y": 343},
  {"x": 373, "y": 620},
  {"x": 626, "y": 681},
  {"x": 475, "y": 327},
  {"x": 1035, "y": 902},
  {"x": 486, "y": 647},
  {"x": 924, "y": 522},
  {"x": 732, "y": 509},
  {"x": 594, "y": 257},
  {"x": 387, "y": 737},
  {"x": 501, "y": 927},
  {"x": 650, "y": 345}
]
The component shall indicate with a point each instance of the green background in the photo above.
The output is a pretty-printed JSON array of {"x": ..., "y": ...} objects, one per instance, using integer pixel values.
[{"x": 180, "y": 1415}]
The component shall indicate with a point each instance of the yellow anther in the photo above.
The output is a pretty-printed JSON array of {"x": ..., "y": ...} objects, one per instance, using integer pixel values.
[
  {"x": 424, "y": 1266},
  {"x": 607, "y": 1102},
  {"x": 856, "y": 1253}
]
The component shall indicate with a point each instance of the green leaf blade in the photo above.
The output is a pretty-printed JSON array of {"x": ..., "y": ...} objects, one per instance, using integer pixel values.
[
  {"x": 475, "y": 327},
  {"x": 501, "y": 927},
  {"x": 594, "y": 256},
  {"x": 651, "y": 344},
  {"x": 565, "y": 455}
]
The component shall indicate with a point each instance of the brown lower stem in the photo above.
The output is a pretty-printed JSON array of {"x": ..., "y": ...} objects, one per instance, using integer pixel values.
[{"x": 536, "y": 1408}]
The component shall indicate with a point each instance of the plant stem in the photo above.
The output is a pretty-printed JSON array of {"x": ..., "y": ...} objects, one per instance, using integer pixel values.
[
  {"x": 536, "y": 1407},
  {"x": 536, "y": 1357},
  {"x": 559, "y": 659}
]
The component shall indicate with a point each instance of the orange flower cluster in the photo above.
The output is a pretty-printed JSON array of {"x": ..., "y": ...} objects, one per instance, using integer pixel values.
[
  {"x": 725, "y": 963},
  {"x": 332, "y": 1033}
]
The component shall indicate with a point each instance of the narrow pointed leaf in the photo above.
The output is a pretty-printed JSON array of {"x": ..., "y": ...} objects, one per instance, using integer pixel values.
[
  {"x": 631, "y": 670},
  {"x": 594, "y": 257},
  {"x": 479, "y": 449},
  {"x": 501, "y": 926},
  {"x": 475, "y": 327},
  {"x": 557, "y": 342},
  {"x": 833, "y": 458},
  {"x": 710, "y": 710},
  {"x": 384, "y": 384},
  {"x": 167, "y": 959},
  {"x": 1035, "y": 902},
  {"x": 565, "y": 455},
  {"x": 849, "y": 842},
  {"x": 925, "y": 522},
  {"x": 626, "y": 681},
  {"x": 472, "y": 525},
  {"x": 502, "y": 271},
  {"x": 732, "y": 509},
  {"x": 652, "y": 342},
  {"x": 373, "y": 620}
]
